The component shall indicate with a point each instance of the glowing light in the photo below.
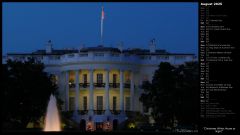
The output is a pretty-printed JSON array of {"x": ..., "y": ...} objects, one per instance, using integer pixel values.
[
  {"x": 52, "y": 119},
  {"x": 131, "y": 125},
  {"x": 90, "y": 126}
]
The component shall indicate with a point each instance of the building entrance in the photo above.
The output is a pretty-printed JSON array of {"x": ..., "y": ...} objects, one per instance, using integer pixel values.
[{"x": 99, "y": 126}]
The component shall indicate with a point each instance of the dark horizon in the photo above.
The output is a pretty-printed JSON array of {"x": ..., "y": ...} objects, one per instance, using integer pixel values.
[{"x": 28, "y": 26}]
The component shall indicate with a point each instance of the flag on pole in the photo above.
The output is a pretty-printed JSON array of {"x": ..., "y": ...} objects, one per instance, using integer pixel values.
[
  {"x": 102, "y": 13},
  {"x": 102, "y": 17}
]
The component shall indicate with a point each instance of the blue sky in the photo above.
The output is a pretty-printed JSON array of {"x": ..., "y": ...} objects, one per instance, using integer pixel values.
[{"x": 28, "y": 26}]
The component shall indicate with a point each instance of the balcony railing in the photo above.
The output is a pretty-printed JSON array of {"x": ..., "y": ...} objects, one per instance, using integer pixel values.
[
  {"x": 83, "y": 85},
  {"x": 99, "y": 112},
  {"x": 72, "y": 85},
  {"x": 82, "y": 112},
  {"x": 126, "y": 85},
  {"x": 115, "y": 112},
  {"x": 80, "y": 57},
  {"x": 100, "y": 85},
  {"x": 114, "y": 85}
]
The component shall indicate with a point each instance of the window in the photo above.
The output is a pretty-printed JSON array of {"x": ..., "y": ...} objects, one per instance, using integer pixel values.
[
  {"x": 127, "y": 103},
  {"x": 163, "y": 57},
  {"x": 180, "y": 57},
  {"x": 83, "y": 55},
  {"x": 85, "y": 103},
  {"x": 84, "y": 78},
  {"x": 128, "y": 79},
  {"x": 70, "y": 55},
  {"x": 145, "y": 57},
  {"x": 166, "y": 57},
  {"x": 115, "y": 55},
  {"x": 71, "y": 103},
  {"x": 127, "y": 55},
  {"x": 99, "y": 54},
  {"x": 114, "y": 103},
  {"x": 57, "y": 57},
  {"x": 99, "y": 102},
  {"x": 114, "y": 78},
  {"x": 99, "y": 78}
]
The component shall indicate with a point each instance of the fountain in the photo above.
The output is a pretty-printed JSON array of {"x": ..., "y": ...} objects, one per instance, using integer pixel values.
[{"x": 52, "y": 119}]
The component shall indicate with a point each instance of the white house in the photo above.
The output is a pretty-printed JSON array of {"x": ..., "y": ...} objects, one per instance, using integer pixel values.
[{"x": 101, "y": 84}]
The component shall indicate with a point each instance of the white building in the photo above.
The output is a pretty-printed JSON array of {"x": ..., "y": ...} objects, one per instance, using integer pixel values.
[{"x": 102, "y": 84}]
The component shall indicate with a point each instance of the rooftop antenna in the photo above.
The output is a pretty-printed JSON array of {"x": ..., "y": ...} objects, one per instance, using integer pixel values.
[{"x": 102, "y": 18}]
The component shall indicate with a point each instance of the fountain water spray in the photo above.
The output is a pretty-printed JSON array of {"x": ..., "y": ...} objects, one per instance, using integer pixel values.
[{"x": 52, "y": 119}]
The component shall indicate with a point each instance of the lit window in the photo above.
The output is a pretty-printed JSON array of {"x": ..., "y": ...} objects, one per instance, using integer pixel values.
[
  {"x": 114, "y": 78},
  {"x": 114, "y": 103},
  {"x": 85, "y": 103},
  {"x": 99, "y": 102},
  {"x": 99, "y": 78},
  {"x": 85, "y": 78},
  {"x": 71, "y": 103},
  {"x": 127, "y": 103}
]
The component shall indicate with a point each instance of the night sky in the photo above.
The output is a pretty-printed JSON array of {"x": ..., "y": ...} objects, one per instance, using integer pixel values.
[{"x": 28, "y": 26}]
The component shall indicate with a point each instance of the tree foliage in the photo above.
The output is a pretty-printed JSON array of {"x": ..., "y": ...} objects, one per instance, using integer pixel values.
[
  {"x": 173, "y": 94},
  {"x": 26, "y": 92}
]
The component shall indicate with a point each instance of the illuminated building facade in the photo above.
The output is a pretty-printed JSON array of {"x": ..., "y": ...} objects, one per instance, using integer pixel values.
[{"x": 101, "y": 85}]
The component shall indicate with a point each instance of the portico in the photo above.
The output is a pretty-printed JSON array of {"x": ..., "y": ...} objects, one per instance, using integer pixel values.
[{"x": 99, "y": 90}]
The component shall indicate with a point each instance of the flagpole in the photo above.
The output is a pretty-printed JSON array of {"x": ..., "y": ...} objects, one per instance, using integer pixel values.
[{"x": 102, "y": 17}]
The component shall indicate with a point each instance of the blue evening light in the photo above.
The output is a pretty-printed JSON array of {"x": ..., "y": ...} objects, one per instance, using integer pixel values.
[{"x": 28, "y": 26}]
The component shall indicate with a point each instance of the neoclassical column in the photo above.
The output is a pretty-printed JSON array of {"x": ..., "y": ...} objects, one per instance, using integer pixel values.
[
  {"x": 107, "y": 93},
  {"x": 121, "y": 92},
  {"x": 67, "y": 91},
  {"x": 132, "y": 92},
  {"x": 61, "y": 85},
  {"x": 91, "y": 93},
  {"x": 76, "y": 90}
]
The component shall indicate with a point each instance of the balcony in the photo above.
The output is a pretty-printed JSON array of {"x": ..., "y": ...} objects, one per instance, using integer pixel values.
[
  {"x": 114, "y": 85},
  {"x": 99, "y": 112},
  {"x": 82, "y": 112},
  {"x": 115, "y": 112},
  {"x": 71, "y": 85},
  {"x": 83, "y": 85},
  {"x": 99, "y": 85},
  {"x": 126, "y": 85}
]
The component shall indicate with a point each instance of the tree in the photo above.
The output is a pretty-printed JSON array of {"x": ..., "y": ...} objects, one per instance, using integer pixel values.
[
  {"x": 26, "y": 92},
  {"x": 188, "y": 87},
  {"x": 172, "y": 94}
]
